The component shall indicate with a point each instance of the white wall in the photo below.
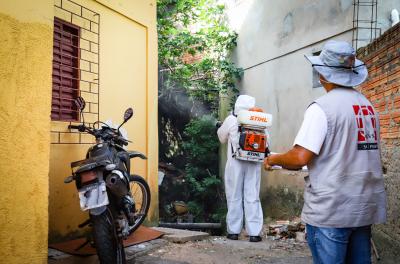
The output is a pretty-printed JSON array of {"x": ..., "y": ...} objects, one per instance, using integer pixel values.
[
  {"x": 273, "y": 38},
  {"x": 278, "y": 34}
]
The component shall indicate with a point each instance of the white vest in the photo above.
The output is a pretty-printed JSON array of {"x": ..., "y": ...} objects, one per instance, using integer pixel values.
[{"x": 345, "y": 186}]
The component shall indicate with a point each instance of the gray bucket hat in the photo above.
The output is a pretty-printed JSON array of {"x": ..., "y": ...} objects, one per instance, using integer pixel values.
[{"x": 338, "y": 64}]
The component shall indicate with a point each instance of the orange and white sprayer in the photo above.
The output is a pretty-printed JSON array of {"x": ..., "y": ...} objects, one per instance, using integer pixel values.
[{"x": 253, "y": 138}]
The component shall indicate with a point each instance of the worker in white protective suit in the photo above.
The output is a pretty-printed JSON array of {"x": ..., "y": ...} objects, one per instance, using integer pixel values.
[{"x": 242, "y": 180}]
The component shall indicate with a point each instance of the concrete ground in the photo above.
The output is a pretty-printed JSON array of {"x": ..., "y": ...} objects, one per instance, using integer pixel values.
[{"x": 211, "y": 250}]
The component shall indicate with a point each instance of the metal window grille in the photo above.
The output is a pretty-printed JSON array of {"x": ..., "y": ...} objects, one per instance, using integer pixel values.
[
  {"x": 365, "y": 22},
  {"x": 65, "y": 71},
  {"x": 77, "y": 69}
]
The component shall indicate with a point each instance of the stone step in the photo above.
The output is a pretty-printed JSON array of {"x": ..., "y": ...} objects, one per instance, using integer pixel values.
[{"x": 180, "y": 235}]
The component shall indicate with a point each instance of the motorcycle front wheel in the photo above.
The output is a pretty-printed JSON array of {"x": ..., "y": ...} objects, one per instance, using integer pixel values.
[
  {"x": 141, "y": 195},
  {"x": 109, "y": 247}
]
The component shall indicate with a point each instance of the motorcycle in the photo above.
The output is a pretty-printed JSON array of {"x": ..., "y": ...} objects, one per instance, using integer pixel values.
[{"x": 117, "y": 201}]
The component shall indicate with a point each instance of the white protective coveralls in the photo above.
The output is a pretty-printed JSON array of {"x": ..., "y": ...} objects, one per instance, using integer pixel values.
[{"x": 242, "y": 178}]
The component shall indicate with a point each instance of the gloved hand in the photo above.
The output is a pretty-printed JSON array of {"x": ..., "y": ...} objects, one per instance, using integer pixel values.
[{"x": 267, "y": 166}]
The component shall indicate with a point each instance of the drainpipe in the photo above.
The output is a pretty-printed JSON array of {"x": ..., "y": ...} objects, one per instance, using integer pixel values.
[
  {"x": 191, "y": 226},
  {"x": 394, "y": 17}
]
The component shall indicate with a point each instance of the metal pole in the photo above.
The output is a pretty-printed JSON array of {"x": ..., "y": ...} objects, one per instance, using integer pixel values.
[
  {"x": 372, "y": 18},
  {"x": 354, "y": 28},
  {"x": 358, "y": 11},
  {"x": 191, "y": 225},
  {"x": 376, "y": 17}
]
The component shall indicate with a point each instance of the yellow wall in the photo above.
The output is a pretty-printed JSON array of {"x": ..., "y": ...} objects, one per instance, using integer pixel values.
[
  {"x": 26, "y": 41},
  {"x": 127, "y": 78}
]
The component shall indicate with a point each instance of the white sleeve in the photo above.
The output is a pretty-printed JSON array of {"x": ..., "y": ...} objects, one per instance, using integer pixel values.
[
  {"x": 313, "y": 129},
  {"x": 226, "y": 127},
  {"x": 268, "y": 138}
]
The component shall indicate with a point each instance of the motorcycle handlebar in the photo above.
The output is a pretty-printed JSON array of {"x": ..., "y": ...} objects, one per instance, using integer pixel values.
[
  {"x": 74, "y": 126},
  {"x": 81, "y": 128},
  {"x": 94, "y": 132},
  {"x": 122, "y": 140}
]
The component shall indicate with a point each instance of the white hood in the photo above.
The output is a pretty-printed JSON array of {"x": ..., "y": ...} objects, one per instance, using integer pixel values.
[{"x": 244, "y": 102}]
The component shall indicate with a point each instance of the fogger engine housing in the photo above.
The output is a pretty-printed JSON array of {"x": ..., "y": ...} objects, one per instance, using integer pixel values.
[{"x": 253, "y": 140}]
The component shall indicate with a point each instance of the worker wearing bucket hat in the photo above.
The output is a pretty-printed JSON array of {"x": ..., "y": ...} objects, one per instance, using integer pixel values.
[
  {"x": 339, "y": 142},
  {"x": 337, "y": 63}
]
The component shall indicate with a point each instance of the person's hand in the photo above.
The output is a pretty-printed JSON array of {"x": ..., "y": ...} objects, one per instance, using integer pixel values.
[{"x": 267, "y": 166}]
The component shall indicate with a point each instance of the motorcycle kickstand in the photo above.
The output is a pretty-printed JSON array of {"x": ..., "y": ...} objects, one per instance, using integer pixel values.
[{"x": 84, "y": 223}]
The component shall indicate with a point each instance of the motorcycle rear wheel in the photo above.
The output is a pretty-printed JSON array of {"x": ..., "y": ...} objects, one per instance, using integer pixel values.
[
  {"x": 141, "y": 195},
  {"x": 110, "y": 248}
]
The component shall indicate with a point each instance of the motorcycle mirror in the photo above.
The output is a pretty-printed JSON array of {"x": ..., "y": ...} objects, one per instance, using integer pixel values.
[
  {"x": 128, "y": 114},
  {"x": 80, "y": 103},
  {"x": 69, "y": 179}
]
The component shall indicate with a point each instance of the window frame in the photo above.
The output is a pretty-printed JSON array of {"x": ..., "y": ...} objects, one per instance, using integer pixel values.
[{"x": 75, "y": 77}]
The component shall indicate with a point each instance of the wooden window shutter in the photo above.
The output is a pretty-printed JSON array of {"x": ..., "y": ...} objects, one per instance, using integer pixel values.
[{"x": 65, "y": 71}]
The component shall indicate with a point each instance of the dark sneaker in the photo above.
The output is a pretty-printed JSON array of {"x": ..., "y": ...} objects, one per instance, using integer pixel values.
[
  {"x": 255, "y": 239},
  {"x": 232, "y": 236}
]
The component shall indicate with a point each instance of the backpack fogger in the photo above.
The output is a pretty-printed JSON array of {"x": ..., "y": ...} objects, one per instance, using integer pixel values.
[{"x": 253, "y": 140}]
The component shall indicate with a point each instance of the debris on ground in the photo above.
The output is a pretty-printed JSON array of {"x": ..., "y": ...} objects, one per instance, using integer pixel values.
[{"x": 286, "y": 230}]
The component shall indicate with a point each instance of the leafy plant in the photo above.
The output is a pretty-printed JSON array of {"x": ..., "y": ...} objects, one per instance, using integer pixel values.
[
  {"x": 204, "y": 186},
  {"x": 194, "y": 45}
]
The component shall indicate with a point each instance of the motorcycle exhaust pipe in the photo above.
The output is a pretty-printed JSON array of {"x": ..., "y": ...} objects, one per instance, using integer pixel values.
[{"x": 117, "y": 184}]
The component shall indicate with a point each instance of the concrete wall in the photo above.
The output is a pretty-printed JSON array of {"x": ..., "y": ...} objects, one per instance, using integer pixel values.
[
  {"x": 127, "y": 77},
  {"x": 25, "y": 95},
  {"x": 273, "y": 38}
]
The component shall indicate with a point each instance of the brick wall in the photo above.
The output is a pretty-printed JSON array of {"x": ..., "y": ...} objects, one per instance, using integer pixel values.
[
  {"x": 382, "y": 88},
  {"x": 89, "y": 75}
]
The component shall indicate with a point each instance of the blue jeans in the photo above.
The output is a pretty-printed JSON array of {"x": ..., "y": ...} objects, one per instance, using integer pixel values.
[{"x": 340, "y": 245}]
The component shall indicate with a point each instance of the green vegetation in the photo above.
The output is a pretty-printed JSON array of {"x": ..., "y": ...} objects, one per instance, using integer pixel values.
[
  {"x": 204, "y": 186},
  {"x": 194, "y": 45}
]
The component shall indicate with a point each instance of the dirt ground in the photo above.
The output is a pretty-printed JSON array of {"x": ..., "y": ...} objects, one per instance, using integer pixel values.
[
  {"x": 212, "y": 250},
  {"x": 222, "y": 250}
]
